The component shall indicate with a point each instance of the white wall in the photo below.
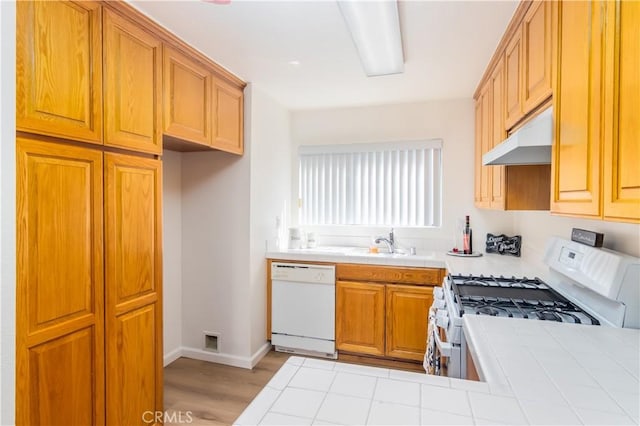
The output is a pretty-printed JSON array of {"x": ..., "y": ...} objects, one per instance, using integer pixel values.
[
  {"x": 537, "y": 227},
  {"x": 172, "y": 254},
  {"x": 450, "y": 120},
  {"x": 270, "y": 183},
  {"x": 229, "y": 204},
  {"x": 215, "y": 246},
  {"x": 7, "y": 212}
]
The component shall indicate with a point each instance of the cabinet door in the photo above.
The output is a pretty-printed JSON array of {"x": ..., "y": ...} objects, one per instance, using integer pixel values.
[
  {"x": 498, "y": 134},
  {"x": 187, "y": 98},
  {"x": 360, "y": 317},
  {"x": 482, "y": 145},
  {"x": 58, "y": 69},
  {"x": 59, "y": 296},
  {"x": 575, "y": 158},
  {"x": 228, "y": 112},
  {"x": 536, "y": 51},
  {"x": 407, "y": 312},
  {"x": 132, "y": 86},
  {"x": 513, "y": 85},
  {"x": 621, "y": 171},
  {"x": 133, "y": 287}
]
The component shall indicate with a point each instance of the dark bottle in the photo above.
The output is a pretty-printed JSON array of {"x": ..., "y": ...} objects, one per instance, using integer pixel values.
[{"x": 467, "y": 242}]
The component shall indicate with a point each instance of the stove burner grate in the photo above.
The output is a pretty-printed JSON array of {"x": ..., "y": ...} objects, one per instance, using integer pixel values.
[{"x": 515, "y": 298}]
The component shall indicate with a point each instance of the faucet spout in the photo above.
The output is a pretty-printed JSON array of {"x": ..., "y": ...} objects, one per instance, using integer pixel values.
[{"x": 390, "y": 242}]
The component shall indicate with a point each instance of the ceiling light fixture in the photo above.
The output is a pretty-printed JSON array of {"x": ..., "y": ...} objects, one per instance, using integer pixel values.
[{"x": 375, "y": 29}]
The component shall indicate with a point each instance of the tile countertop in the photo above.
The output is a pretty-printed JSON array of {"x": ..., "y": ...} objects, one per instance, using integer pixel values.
[
  {"x": 559, "y": 373},
  {"x": 489, "y": 263},
  {"x": 536, "y": 372}
]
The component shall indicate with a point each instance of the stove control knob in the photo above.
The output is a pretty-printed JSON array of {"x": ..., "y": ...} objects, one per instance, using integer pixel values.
[
  {"x": 438, "y": 293},
  {"x": 442, "y": 318},
  {"x": 440, "y": 303}
]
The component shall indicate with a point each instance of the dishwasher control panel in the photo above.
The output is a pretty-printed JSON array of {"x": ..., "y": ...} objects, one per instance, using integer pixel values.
[{"x": 303, "y": 272}]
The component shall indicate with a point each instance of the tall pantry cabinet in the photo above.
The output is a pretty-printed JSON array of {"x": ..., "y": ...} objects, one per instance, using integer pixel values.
[{"x": 89, "y": 248}]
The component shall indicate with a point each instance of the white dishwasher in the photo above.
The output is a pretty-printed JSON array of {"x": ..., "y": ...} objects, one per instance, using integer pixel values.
[{"x": 303, "y": 300}]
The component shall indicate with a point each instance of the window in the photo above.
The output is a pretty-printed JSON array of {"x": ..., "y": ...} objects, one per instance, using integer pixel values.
[{"x": 381, "y": 184}]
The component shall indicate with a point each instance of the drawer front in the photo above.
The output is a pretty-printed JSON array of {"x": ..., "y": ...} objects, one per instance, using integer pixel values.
[{"x": 389, "y": 274}]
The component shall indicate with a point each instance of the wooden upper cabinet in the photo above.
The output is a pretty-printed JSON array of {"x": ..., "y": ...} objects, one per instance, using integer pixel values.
[
  {"x": 621, "y": 161},
  {"x": 187, "y": 98},
  {"x": 133, "y": 296},
  {"x": 58, "y": 69},
  {"x": 228, "y": 112},
  {"x": 132, "y": 86},
  {"x": 498, "y": 134},
  {"x": 576, "y": 158},
  {"x": 536, "y": 54},
  {"x": 59, "y": 287},
  {"x": 406, "y": 324},
  {"x": 513, "y": 81},
  {"x": 483, "y": 144}
]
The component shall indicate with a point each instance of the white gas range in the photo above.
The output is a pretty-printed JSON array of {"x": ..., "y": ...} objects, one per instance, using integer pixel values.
[{"x": 584, "y": 285}]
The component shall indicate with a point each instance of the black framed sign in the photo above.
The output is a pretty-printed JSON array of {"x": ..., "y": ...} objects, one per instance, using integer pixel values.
[{"x": 504, "y": 245}]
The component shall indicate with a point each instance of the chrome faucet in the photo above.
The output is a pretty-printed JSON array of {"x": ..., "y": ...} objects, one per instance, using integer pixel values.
[{"x": 390, "y": 242}]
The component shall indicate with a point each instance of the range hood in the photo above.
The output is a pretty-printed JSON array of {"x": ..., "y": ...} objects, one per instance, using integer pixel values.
[{"x": 531, "y": 144}]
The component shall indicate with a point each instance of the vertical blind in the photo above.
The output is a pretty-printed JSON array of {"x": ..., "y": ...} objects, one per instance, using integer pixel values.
[{"x": 386, "y": 184}]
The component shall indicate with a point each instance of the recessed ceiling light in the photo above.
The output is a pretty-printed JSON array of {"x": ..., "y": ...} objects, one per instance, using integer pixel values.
[
  {"x": 217, "y": 1},
  {"x": 294, "y": 63}
]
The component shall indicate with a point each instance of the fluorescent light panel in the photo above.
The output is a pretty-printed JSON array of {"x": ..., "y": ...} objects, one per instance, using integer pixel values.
[{"x": 375, "y": 28}]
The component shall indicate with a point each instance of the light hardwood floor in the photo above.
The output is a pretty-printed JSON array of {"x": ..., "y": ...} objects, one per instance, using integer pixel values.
[{"x": 214, "y": 394}]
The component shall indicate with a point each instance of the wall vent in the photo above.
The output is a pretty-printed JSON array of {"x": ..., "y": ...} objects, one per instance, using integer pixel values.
[{"x": 211, "y": 342}]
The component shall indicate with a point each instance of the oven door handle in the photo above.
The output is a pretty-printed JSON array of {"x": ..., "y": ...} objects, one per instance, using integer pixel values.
[{"x": 443, "y": 347}]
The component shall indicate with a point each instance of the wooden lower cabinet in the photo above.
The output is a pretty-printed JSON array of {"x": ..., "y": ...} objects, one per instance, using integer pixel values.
[
  {"x": 385, "y": 320},
  {"x": 360, "y": 317},
  {"x": 406, "y": 325},
  {"x": 89, "y": 279}
]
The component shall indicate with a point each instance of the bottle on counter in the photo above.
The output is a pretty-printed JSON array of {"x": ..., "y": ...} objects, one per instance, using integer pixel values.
[{"x": 467, "y": 241}]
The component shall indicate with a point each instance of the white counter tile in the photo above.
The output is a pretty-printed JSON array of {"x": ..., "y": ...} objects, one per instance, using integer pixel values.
[
  {"x": 319, "y": 363},
  {"x": 312, "y": 379},
  {"x": 545, "y": 413},
  {"x": 384, "y": 413},
  {"x": 362, "y": 369},
  {"x": 298, "y": 402},
  {"x": 354, "y": 385},
  {"x": 498, "y": 408},
  {"x": 281, "y": 379},
  {"x": 276, "y": 419},
  {"x": 450, "y": 400},
  {"x": 420, "y": 378},
  {"x": 432, "y": 417},
  {"x": 396, "y": 391},
  {"x": 595, "y": 417},
  {"x": 344, "y": 410}
]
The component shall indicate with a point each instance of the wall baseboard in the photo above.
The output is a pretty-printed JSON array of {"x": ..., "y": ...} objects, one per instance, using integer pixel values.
[
  {"x": 172, "y": 356},
  {"x": 226, "y": 359},
  {"x": 232, "y": 360},
  {"x": 260, "y": 353}
]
